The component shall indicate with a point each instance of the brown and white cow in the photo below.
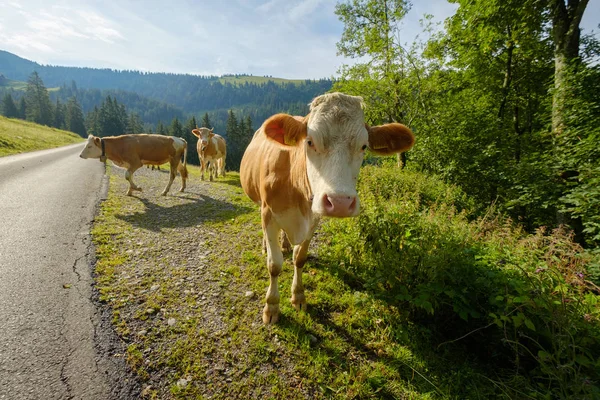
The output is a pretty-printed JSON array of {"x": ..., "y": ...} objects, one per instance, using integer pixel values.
[
  {"x": 133, "y": 151},
  {"x": 212, "y": 152},
  {"x": 302, "y": 168}
]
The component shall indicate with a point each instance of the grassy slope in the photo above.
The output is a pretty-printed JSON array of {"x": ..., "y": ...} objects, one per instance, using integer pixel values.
[
  {"x": 177, "y": 271},
  {"x": 256, "y": 79},
  {"x": 18, "y": 136}
]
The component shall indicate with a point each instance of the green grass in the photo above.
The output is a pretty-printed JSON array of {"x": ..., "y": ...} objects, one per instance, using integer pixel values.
[
  {"x": 18, "y": 136},
  {"x": 369, "y": 332}
]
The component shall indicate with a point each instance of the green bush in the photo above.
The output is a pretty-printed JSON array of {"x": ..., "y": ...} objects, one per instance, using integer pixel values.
[{"x": 522, "y": 301}]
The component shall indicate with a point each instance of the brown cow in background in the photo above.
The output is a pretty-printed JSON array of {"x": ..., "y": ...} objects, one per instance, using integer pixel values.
[
  {"x": 212, "y": 152},
  {"x": 133, "y": 151}
]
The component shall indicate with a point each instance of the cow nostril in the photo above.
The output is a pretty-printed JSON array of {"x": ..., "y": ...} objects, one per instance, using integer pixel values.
[
  {"x": 353, "y": 204},
  {"x": 327, "y": 203}
]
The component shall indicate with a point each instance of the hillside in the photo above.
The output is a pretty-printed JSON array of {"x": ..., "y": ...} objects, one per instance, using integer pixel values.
[
  {"x": 191, "y": 93},
  {"x": 18, "y": 136}
]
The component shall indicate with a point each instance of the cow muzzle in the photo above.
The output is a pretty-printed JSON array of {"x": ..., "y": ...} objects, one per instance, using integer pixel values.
[{"x": 340, "y": 206}]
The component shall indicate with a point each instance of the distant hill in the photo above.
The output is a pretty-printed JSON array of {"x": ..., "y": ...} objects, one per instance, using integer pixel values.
[
  {"x": 17, "y": 136},
  {"x": 163, "y": 96},
  {"x": 191, "y": 93}
]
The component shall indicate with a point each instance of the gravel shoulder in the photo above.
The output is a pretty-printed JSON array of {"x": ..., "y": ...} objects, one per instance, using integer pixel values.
[{"x": 184, "y": 277}]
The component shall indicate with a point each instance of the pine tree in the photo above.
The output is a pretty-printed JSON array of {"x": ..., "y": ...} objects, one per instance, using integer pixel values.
[
  {"x": 191, "y": 140},
  {"x": 9, "y": 109},
  {"x": 74, "y": 120},
  {"x": 59, "y": 115},
  {"x": 160, "y": 128},
  {"x": 39, "y": 107},
  {"x": 206, "y": 122},
  {"x": 134, "y": 124},
  {"x": 22, "y": 108}
]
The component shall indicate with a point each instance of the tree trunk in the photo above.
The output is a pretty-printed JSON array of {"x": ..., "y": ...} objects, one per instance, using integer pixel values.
[{"x": 566, "y": 33}]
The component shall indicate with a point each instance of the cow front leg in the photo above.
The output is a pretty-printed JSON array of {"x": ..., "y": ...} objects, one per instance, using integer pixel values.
[
  {"x": 274, "y": 264},
  {"x": 132, "y": 186},
  {"x": 202, "y": 168}
]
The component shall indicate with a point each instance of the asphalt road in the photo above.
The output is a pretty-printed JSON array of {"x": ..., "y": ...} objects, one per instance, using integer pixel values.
[{"x": 56, "y": 341}]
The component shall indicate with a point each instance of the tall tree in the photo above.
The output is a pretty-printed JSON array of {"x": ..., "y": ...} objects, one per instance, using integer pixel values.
[
  {"x": 566, "y": 17},
  {"x": 22, "y": 108},
  {"x": 371, "y": 32},
  {"x": 9, "y": 109},
  {"x": 160, "y": 128},
  {"x": 59, "y": 115},
  {"x": 74, "y": 120},
  {"x": 134, "y": 123},
  {"x": 206, "y": 121},
  {"x": 39, "y": 107},
  {"x": 191, "y": 140}
]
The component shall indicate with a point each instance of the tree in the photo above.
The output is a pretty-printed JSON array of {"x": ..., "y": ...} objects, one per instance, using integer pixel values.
[
  {"x": 39, "y": 107},
  {"x": 74, "y": 120},
  {"x": 134, "y": 123},
  {"x": 191, "y": 140},
  {"x": 9, "y": 109},
  {"x": 371, "y": 31},
  {"x": 160, "y": 128},
  {"x": 206, "y": 121},
  {"x": 22, "y": 108},
  {"x": 566, "y": 34},
  {"x": 59, "y": 115}
]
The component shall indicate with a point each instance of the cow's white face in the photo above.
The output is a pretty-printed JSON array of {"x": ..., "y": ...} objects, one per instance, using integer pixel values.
[
  {"x": 92, "y": 148},
  {"x": 335, "y": 147},
  {"x": 204, "y": 136}
]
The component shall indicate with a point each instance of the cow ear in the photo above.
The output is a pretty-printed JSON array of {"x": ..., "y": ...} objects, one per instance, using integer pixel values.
[
  {"x": 97, "y": 141},
  {"x": 196, "y": 132},
  {"x": 285, "y": 129},
  {"x": 390, "y": 138}
]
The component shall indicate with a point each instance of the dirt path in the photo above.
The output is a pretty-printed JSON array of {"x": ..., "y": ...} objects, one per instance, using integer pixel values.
[{"x": 175, "y": 270}]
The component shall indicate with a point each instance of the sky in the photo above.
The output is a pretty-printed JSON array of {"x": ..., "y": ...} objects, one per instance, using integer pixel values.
[{"x": 294, "y": 39}]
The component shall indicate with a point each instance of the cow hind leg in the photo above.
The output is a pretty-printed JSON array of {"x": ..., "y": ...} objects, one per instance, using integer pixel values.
[
  {"x": 300, "y": 255},
  {"x": 274, "y": 264},
  {"x": 172, "y": 173},
  {"x": 129, "y": 177}
]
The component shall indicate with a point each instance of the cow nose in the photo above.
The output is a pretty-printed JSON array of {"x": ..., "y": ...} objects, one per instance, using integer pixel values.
[{"x": 339, "y": 205}]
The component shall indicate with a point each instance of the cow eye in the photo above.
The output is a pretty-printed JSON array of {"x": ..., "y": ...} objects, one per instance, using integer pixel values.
[
  {"x": 310, "y": 143},
  {"x": 364, "y": 147}
]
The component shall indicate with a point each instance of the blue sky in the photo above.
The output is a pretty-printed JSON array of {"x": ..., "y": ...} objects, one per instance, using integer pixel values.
[{"x": 282, "y": 38}]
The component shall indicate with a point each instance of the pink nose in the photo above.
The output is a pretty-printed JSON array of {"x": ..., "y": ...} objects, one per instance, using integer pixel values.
[{"x": 339, "y": 205}]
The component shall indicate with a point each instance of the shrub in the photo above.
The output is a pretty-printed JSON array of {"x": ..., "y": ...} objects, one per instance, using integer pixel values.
[{"x": 521, "y": 300}]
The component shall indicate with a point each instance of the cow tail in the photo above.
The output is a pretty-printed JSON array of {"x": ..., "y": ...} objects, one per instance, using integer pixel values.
[{"x": 183, "y": 169}]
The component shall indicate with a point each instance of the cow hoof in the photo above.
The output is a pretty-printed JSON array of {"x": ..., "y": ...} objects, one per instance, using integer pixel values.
[
  {"x": 129, "y": 193},
  {"x": 270, "y": 313},
  {"x": 202, "y": 178},
  {"x": 163, "y": 194},
  {"x": 299, "y": 301},
  {"x": 211, "y": 178},
  {"x": 181, "y": 190}
]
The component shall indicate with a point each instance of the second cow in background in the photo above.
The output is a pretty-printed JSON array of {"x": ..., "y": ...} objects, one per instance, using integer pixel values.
[{"x": 212, "y": 151}]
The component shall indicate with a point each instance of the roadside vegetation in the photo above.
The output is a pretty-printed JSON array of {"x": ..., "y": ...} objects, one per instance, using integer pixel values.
[
  {"x": 18, "y": 136},
  {"x": 416, "y": 298}
]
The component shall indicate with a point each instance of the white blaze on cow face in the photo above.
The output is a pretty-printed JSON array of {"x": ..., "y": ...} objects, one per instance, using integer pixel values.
[
  {"x": 335, "y": 147},
  {"x": 92, "y": 148},
  {"x": 204, "y": 135}
]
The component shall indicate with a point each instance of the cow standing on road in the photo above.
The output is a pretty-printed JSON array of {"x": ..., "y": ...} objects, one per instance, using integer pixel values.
[
  {"x": 302, "y": 168},
  {"x": 212, "y": 152},
  {"x": 133, "y": 151}
]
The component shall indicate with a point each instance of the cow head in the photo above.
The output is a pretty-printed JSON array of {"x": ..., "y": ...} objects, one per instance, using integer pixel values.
[
  {"x": 92, "y": 149},
  {"x": 334, "y": 138},
  {"x": 204, "y": 135}
]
